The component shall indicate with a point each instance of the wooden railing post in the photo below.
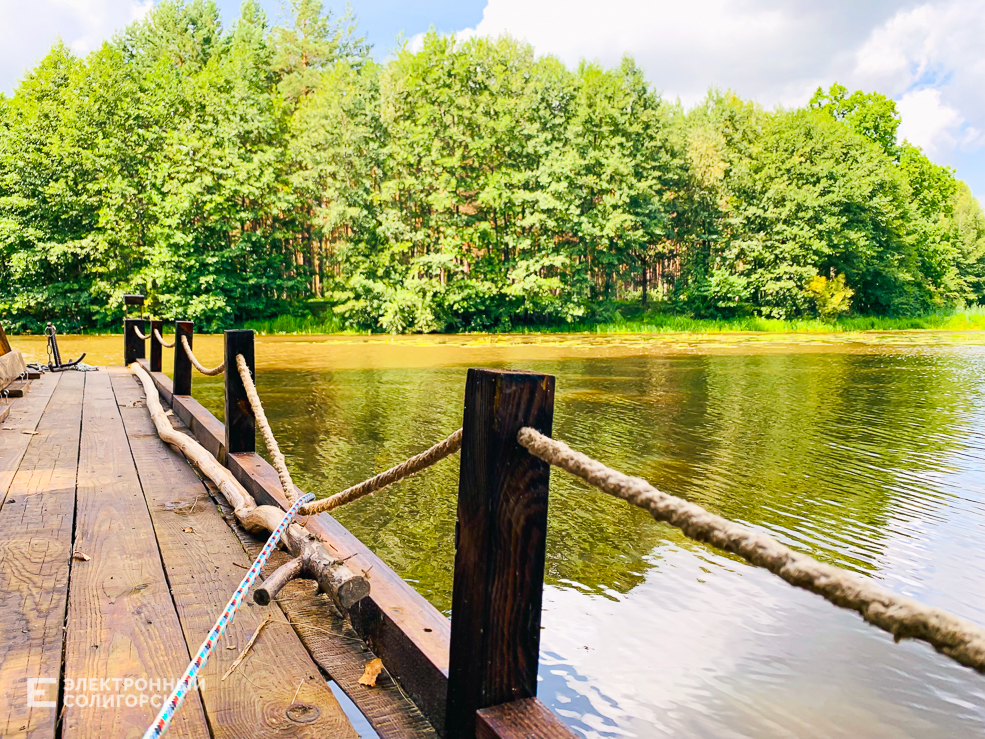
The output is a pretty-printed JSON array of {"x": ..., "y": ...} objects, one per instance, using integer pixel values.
[
  {"x": 155, "y": 346},
  {"x": 499, "y": 562},
  {"x": 133, "y": 347},
  {"x": 240, "y": 422},
  {"x": 182, "y": 383}
]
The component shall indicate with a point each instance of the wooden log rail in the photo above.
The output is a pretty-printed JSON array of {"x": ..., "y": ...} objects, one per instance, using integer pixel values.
[{"x": 473, "y": 677}]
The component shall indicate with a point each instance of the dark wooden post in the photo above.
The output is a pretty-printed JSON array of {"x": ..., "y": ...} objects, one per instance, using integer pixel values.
[
  {"x": 155, "y": 346},
  {"x": 133, "y": 347},
  {"x": 240, "y": 422},
  {"x": 129, "y": 300},
  {"x": 182, "y": 383},
  {"x": 499, "y": 562}
]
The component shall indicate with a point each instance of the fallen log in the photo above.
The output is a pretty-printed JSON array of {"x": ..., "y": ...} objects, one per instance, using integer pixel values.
[{"x": 333, "y": 577}]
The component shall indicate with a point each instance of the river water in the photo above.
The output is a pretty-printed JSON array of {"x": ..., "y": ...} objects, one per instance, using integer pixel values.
[{"x": 866, "y": 451}]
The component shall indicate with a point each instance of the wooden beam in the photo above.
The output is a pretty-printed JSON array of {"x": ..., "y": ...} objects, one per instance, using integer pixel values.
[
  {"x": 522, "y": 719},
  {"x": 240, "y": 421},
  {"x": 133, "y": 346},
  {"x": 155, "y": 346},
  {"x": 200, "y": 555},
  {"x": 502, "y": 534},
  {"x": 35, "y": 551},
  {"x": 18, "y": 389},
  {"x": 409, "y": 634},
  {"x": 4, "y": 343}
]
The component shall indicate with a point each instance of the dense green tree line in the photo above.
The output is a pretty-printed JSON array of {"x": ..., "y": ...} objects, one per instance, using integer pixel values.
[{"x": 235, "y": 173}]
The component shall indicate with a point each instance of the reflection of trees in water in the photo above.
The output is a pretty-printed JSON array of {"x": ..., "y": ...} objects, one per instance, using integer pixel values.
[{"x": 818, "y": 448}]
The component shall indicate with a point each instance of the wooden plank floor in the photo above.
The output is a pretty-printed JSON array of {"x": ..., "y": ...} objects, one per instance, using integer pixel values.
[
  {"x": 152, "y": 570},
  {"x": 35, "y": 551}
]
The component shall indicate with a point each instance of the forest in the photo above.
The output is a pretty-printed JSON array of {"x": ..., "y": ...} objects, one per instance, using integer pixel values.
[{"x": 250, "y": 170}]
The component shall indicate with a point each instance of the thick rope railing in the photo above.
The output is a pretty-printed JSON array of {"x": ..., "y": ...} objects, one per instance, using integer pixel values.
[
  {"x": 161, "y": 341},
  {"x": 276, "y": 457},
  {"x": 902, "y": 617},
  {"x": 411, "y": 466},
  {"x": 139, "y": 335},
  {"x": 210, "y": 371}
]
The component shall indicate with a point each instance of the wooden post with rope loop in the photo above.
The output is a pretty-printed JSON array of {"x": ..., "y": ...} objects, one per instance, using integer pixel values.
[
  {"x": 155, "y": 346},
  {"x": 182, "y": 384},
  {"x": 133, "y": 345},
  {"x": 500, "y": 552},
  {"x": 240, "y": 421}
]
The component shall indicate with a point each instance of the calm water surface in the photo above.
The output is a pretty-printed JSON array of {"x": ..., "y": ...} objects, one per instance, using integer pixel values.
[{"x": 865, "y": 451}]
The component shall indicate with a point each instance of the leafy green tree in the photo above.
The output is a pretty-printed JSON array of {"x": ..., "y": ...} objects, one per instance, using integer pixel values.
[
  {"x": 313, "y": 42},
  {"x": 869, "y": 113},
  {"x": 235, "y": 172}
]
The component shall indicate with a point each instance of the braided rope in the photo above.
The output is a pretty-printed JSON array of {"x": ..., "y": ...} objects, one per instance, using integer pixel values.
[
  {"x": 902, "y": 617},
  {"x": 410, "y": 467},
  {"x": 405, "y": 469},
  {"x": 177, "y": 697},
  {"x": 277, "y": 459},
  {"x": 161, "y": 341},
  {"x": 139, "y": 335},
  {"x": 210, "y": 371}
]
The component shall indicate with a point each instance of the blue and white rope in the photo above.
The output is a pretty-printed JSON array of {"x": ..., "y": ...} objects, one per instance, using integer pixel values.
[{"x": 177, "y": 696}]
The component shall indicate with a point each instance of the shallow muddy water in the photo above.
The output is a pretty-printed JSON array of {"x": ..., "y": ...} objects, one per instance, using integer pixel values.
[{"x": 867, "y": 451}]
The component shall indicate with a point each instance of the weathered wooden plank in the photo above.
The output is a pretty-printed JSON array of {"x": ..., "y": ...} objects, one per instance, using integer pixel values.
[
  {"x": 201, "y": 554},
  {"x": 121, "y": 623},
  {"x": 35, "y": 551},
  {"x": 18, "y": 388},
  {"x": 522, "y": 719},
  {"x": 16, "y": 431},
  {"x": 499, "y": 561},
  {"x": 398, "y": 624}
]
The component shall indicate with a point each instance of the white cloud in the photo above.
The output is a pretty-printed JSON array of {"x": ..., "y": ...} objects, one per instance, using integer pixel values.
[
  {"x": 927, "y": 122},
  {"x": 927, "y": 55},
  {"x": 28, "y": 28},
  {"x": 777, "y": 51}
]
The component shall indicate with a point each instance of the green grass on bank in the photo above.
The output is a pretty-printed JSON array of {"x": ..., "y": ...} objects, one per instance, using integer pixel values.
[{"x": 972, "y": 319}]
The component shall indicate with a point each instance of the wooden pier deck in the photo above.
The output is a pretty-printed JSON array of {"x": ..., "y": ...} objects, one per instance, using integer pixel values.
[{"x": 115, "y": 559}]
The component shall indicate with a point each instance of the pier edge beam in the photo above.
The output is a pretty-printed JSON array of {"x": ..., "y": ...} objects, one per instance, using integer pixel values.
[
  {"x": 240, "y": 421},
  {"x": 133, "y": 347},
  {"x": 155, "y": 346},
  {"x": 182, "y": 383},
  {"x": 500, "y": 548}
]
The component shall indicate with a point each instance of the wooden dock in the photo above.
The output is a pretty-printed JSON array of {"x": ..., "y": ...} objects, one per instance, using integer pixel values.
[{"x": 116, "y": 558}]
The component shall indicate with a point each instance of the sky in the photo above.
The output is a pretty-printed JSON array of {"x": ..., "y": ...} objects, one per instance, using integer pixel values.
[{"x": 926, "y": 55}]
